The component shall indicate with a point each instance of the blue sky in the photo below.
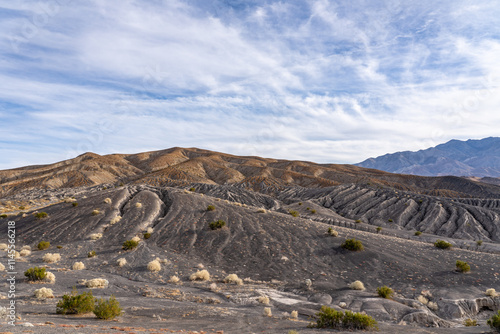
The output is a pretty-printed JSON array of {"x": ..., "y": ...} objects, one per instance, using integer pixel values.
[{"x": 319, "y": 80}]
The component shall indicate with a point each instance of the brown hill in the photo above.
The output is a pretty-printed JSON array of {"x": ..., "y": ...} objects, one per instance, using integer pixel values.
[{"x": 183, "y": 166}]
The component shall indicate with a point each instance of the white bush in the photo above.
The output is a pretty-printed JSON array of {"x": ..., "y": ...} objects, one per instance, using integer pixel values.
[
  {"x": 154, "y": 266},
  {"x": 201, "y": 275},
  {"x": 95, "y": 236},
  {"x": 261, "y": 211},
  {"x": 433, "y": 306},
  {"x": 115, "y": 220},
  {"x": 44, "y": 293},
  {"x": 4, "y": 246},
  {"x": 138, "y": 205},
  {"x": 96, "y": 212},
  {"x": 294, "y": 315},
  {"x": 149, "y": 230},
  {"x": 174, "y": 279},
  {"x": 333, "y": 233},
  {"x": 263, "y": 300},
  {"x": 78, "y": 266},
  {"x": 51, "y": 257},
  {"x": 25, "y": 252},
  {"x": 357, "y": 285},
  {"x": 233, "y": 278},
  {"x": 99, "y": 283},
  {"x": 2, "y": 267},
  {"x": 50, "y": 277},
  {"x": 136, "y": 239},
  {"x": 422, "y": 299},
  {"x": 491, "y": 293},
  {"x": 107, "y": 200},
  {"x": 268, "y": 312},
  {"x": 26, "y": 247},
  {"x": 121, "y": 262}
]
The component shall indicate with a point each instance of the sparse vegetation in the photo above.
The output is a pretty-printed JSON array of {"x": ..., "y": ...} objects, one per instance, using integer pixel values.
[
  {"x": 201, "y": 275},
  {"x": 494, "y": 322},
  {"x": 390, "y": 220},
  {"x": 43, "y": 293},
  {"x": 294, "y": 213},
  {"x": 75, "y": 204},
  {"x": 154, "y": 266},
  {"x": 470, "y": 323},
  {"x": 174, "y": 279},
  {"x": 91, "y": 254},
  {"x": 479, "y": 242},
  {"x": 332, "y": 232},
  {"x": 50, "y": 277},
  {"x": 22, "y": 207},
  {"x": 115, "y": 220},
  {"x": 95, "y": 212},
  {"x": 25, "y": 252},
  {"x": 210, "y": 208},
  {"x": 462, "y": 266},
  {"x": 35, "y": 274},
  {"x": 130, "y": 244},
  {"x": 268, "y": 312},
  {"x": 51, "y": 257},
  {"x": 352, "y": 245},
  {"x": 357, "y": 285},
  {"x": 192, "y": 189},
  {"x": 107, "y": 200},
  {"x": 76, "y": 303},
  {"x": 384, "y": 292},
  {"x": 261, "y": 210},
  {"x": 121, "y": 262},
  {"x": 107, "y": 309},
  {"x": 59, "y": 247},
  {"x": 358, "y": 221},
  {"x": 418, "y": 233},
  {"x": 233, "y": 278},
  {"x": 379, "y": 229},
  {"x": 95, "y": 236},
  {"x": 313, "y": 211},
  {"x": 78, "y": 266},
  {"x": 491, "y": 293},
  {"x": 41, "y": 215},
  {"x": 217, "y": 224},
  {"x": 3, "y": 216},
  {"x": 138, "y": 205},
  {"x": 264, "y": 300},
  {"x": 42, "y": 245},
  {"x": 330, "y": 318},
  {"x": 147, "y": 235},
  {"x": 441, "y": 244},
  {"x": 294, "y": 315},
  {"x": 99, "y": 283}
]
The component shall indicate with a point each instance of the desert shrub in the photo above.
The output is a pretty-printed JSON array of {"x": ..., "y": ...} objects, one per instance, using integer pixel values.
[
  {"x": 107, "y": 200},
  {"x": 138, "y": 205},
  {"x": 99, "y": 283},
  {"x": 264, "y": 300},
  {"x": 154, "y": 266},
  {"x": 95, "y": 212},
  {"x": 379, "y": 229},
  {"x": 136, "y": 239},
  {"x": 76, "y": 303},
  {"x": 268, "y": 312},
  {"x": 423, "y": 300},
  {"x": 494, "y": 322},
  {"x": 78, "y": 266},
  {"x": 130, "y": 244},
  {"x": 261, "y": 210},
  {"x": 28, "y": 247},
  {"x": 22, "y": 207},
  {"x": 433, "y": 306},
  {"x": 43, "y": 293},
  {"x": 115, "y": 220},
  {"x": 210, "y": 208},
  {"x": 2, "y": 267},
  {"x": 192, "y": 189},
  {"x": 418, "y": 233},
  {"x": 384, "y": 292},
  {"x": 25, "y": 252},
  {"x": 313, "y": 211},
  {"x": 4, "y": 246},
  {"x": 95, "y": 236},
  {"x": 332, "y": 232},
  {"x": 91, "y": 253},
  {"x": 50, "y": 277},
  {"x": 147, "y": 235},
  {"x": 470, "y": 323},
  {"x": 174, "y": 279},
  {"x": 201, "y": 275},
  {"x": 294, "y": 315},
  {"x": 462, "y": 266},
  {"x": 51, "y": 257},
  {"x": 41, "y": 215},
  {"x": 491, "y": 292},
  {"x": 358, "y": 221},
  {"x": 390, "y": 220},
  {"x": 479, "y": 242},
  {"x": 352, "y": 245},
  {"x": 121, "y": 262},
  {"x": 294, "y": 213},
  {"x": 330, "y": 318},
  {"x": 441, "y": 244},
  {"x": 75, "y": 204},
  {"x": 107, "y": 309},
  {"x": 35, "y": 274},
  {"x": 357, "y": 285},
  {"x": 43, "y": 245},
  {"x": 217, "y": 224},
  {"x": 3, "y": 216},
  {"x": 59, "y": 247},
  {"x": 300, "y": 203},
  {"x": 233, "y": 278}
]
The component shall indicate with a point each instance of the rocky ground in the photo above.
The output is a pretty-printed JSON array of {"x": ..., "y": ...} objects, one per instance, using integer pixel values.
[{"x": 272, "y": 251}]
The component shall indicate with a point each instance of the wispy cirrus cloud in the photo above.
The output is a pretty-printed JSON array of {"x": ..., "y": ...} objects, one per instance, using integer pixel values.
[{"x": 319, "y": 80}]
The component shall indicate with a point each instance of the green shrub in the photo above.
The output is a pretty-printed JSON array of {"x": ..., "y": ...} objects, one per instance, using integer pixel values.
[
  {"x": 107, "y": 309},
  {"x": 75, "y": 303},
  {"x": 210, "y": 208},
  {"x": 418, "y": 233},
  {"x": 441, "y": 244},
  {"x": 294, "y": 213},
  {"x": 217, "y": 224},
  {"x": 353, "y": 245},
  {"x": 384, "y": 292},
  {"x": 358, "y": 221},
  {"x": 2, "y": 216},
  {"x": 35, "y": 274},
  {"x": 147, "y": 235},
  {"x": 390, "y": 220},
  {"x": 330, "y": 318},
  {"x": 479, "y": 242},
  {"x": 379, "y": 229},
  {"x": 91, "y": 254},
  {"x": 462, "y": 266},
  {"x": 313, "y": 211},
  {"x": 130, "y": 244},
  {"x": 43, "y": 245},
  {"x": 470, "y": 323},
  {"x": 74, "y": 204},
  {"x": 192, "y": 189},
  {"x": 22, "y": 207},
  {"x": 494, "y": 322},
  {"x": 59, "y": 247},
  {"x": 41, "y": 215}
]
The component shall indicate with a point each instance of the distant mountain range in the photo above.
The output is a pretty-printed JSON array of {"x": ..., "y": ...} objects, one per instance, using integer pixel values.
[{"x": 471, "y": 158}]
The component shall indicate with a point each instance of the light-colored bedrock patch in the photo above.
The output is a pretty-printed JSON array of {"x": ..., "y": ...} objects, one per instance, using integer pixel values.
[
  {"x": 468, "y": 308},
  {"x": 152, "y": 207},
  {"x": 117, "y": 201}
]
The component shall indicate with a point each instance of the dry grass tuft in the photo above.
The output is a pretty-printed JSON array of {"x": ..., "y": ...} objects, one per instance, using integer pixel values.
[
  {"x": 115, "y": 220},
  {"x": 174, "y": 279},
  {"x": 95, "y": 236},
  {"x": 107, "y": 200},
  {"x": 264, "y": 300},
  {"x": 233, "y": 278},
  {"x": 50, "y": 277},
  {"x": 2, "y": 267},
  {"x": 138, "y": 205},
  {"x": 4, "y": 246},
  {"x": 136, "y": 239},
  {"x": 268, "y": 312},
  {"x": 121, "y": 262},
  {"x": 357, "y": 285},
  {"x": 154, "y": 266},
  {"x": 78, "y": 266},
  {"x": 51, "y": 257},
  {"x": 26, "y": 247},
  {"x": 294, "y": 315},
  {"x": 491, "y": 293},
  {"x": 423, "y": 300},
  {"x": 44, "y": 293},
  {"x": 99, "y": 283},
  {"x": 95, "y": 212},
  {"x": 433, "y": 306},
  {"x": 25, "y": 252},
  {"x": 261, "y": 211},
  {"x": 150, "y": 230},
  {"x": 201, "y": 275}
]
